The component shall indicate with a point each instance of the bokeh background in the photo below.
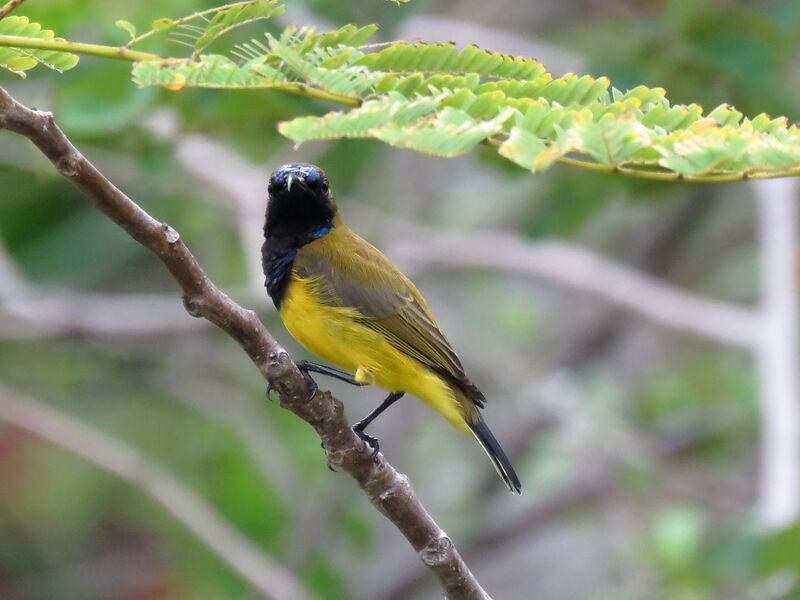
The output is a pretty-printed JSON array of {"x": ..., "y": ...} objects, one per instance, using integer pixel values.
[{"x": 656, "y": 435}]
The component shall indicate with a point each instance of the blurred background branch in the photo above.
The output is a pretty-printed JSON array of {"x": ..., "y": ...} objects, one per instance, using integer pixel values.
[
  {"x": 46, "y": 423},
  {"x": 588, "y": 272},
  {"x": 777, "y": 357}
]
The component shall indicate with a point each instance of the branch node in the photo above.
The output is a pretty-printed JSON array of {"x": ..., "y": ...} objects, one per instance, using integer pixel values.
[
  {"x": 67, "y": 165},
  {"x": 170, "y": 234},
  {"x": 395, "y": 490},
  {"x": 279, "y": 365},
  {"x": 193, "y": 305},
  {"x": 438, "y": 552},
  {"x": 44, "y": 120}
]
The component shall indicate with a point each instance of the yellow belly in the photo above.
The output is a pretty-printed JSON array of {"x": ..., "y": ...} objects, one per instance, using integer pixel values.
[{"x": 335, "y": 336}]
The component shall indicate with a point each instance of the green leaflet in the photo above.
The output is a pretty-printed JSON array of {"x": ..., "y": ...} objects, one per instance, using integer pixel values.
[
  {"x": 349, "y": 35},
  {"x": 451, "y": 132},
  {"x": 442, "y": 58},
  {"x": 200, "y": 29},
  {"x": 611, "y": 140},
  {"x": 19, "y": 60},
  {"x": 305, "y": 63},
  {"x": 431, "y": 125},
  {"x": 214, "y": 71},
  {"x": 236, "y": 15},
  {"x": 360, "y": 122},
  {"x": 525, "y": 149}
]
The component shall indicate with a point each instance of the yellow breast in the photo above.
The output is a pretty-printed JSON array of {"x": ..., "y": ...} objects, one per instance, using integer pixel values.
[{"x": 335, "y": 335}]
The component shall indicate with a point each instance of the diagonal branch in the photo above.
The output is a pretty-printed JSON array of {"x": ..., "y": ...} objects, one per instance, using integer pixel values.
[
  {"x": 388, "y": 490},
  {"x": 49, "y": 424}
]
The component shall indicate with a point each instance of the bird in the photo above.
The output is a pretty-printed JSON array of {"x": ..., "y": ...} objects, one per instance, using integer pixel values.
[{"x": 346, "y": 303}]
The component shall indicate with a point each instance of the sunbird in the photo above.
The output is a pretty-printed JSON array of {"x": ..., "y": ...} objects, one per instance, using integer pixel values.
[{"x": 345, "y": 302}]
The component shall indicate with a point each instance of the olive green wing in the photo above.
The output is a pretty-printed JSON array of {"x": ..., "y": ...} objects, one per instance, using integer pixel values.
[{"x": 356, "y": 275}]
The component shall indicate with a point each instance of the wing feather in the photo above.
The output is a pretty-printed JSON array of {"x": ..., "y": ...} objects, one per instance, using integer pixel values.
[{"x": 349, "y": 272}]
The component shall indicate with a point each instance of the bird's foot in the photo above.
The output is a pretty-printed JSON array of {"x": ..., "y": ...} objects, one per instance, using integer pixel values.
[
  {"x": 302, "y": 366},
  {"x": 371, "y": 441},
  {"x": 270, "y": 389}
]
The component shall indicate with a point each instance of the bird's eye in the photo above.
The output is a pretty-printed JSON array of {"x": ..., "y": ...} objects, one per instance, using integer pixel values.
[
  {"x": 324, "y": 186},
  {"x": 278, "y": 180}
]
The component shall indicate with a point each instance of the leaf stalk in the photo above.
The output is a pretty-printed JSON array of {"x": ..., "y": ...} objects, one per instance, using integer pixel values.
[{"x": 118, "y": 52}]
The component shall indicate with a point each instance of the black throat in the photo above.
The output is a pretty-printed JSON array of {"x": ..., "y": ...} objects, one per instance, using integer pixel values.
[{"x": 291, "y": 223}]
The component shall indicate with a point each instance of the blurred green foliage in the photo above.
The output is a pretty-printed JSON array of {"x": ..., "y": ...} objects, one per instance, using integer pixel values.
[{"x": 743, "y": 562}]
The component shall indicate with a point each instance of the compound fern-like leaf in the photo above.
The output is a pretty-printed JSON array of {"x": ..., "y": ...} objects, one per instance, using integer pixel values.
[{"x": 436, "y": 99}]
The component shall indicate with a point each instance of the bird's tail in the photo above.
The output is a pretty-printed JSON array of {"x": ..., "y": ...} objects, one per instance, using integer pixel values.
[{"x": 493, "y": 450}]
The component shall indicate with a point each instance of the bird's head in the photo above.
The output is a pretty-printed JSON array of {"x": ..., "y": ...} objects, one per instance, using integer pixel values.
[{"x": 300, "y": 207}]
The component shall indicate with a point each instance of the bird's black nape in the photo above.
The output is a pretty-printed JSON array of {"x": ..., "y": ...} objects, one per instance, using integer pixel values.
[{"x": 300, "y": 209}]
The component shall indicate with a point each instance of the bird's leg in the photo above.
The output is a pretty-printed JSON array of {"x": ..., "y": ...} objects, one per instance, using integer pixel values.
[
  {"x": 306, "y": 366},
  {"x": 363, "y": 423}
]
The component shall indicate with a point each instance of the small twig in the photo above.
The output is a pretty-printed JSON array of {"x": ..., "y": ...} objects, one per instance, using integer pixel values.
[
  {"x": 9, "y": 6},
  {"x": 49, "y": 424},
  {"x": 181, "y": 21},
  {"x": 388, "y": 490},
  {"x": 15, "y": 41}
]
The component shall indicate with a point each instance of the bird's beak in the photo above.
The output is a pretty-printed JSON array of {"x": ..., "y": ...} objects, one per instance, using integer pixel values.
[{"x": 289, "y": 181}]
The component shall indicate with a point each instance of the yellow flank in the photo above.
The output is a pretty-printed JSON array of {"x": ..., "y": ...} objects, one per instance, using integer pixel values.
[{"x": 334, "y": 335}]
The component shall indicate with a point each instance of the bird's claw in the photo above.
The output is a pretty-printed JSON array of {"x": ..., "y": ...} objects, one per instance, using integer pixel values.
[
  {"x": 371, "y": 441},
  {"x": 270, "y": 389},
  {"x": 314, "y": 388},
  {"x": 327, "y": 460},
  {"x": 312, "y": 385}
]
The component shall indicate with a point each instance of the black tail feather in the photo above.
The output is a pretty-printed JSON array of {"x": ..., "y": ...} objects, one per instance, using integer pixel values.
[{"x": 493, "y": 450}]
